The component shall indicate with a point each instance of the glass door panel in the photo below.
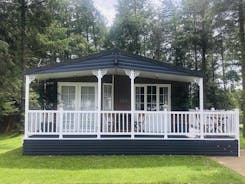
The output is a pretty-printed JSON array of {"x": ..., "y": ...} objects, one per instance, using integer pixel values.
[
  {"x": 151, "y": 98},
  {"x": 107, "y": 97},
  {"x": 140, "y": 98},
  {"x": 88, "y": 103},
  {"x": 68, "y": 95},
  {"x": 88, "y": 98},
  {"x": 68, "y": 99},
  {"x": 163, "y": 98}
]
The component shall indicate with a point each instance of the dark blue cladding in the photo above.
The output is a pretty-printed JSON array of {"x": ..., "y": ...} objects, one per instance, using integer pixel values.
[
  {"x": 131, "y": 147},
  {"x": 114, "y": 59}
]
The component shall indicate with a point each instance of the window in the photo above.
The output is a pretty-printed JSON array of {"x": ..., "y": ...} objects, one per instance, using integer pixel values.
[
  {"x": 140, "y": 98},
  {"x": 152, "y": 97},
  {"x": 77, "y": 96},
  {"x": 68, "y": 97},
  {"x": 163, "y": 98},
  {"x": 88, "y": 98},
  {"x": 107, "y": 97}
]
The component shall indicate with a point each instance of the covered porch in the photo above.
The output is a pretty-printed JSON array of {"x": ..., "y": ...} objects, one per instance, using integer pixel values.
[
  {"x": 117, "y": 96},
  {"x": 93, "y": 110}
]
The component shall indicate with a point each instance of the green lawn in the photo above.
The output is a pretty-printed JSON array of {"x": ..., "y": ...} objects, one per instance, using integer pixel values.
[
  {"x": 242, "y": 140},
  {"x": 16, "y": 168}
]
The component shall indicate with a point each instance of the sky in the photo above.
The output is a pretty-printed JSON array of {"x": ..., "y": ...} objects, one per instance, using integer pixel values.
[{"x": 108, "y": 9}]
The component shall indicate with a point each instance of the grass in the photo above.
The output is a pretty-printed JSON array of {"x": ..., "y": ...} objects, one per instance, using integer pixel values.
[
  {"x": 242, "y": 140},
  {"x": 16, "y": 168}
]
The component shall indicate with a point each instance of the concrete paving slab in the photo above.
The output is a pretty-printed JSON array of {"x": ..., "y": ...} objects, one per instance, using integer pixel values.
[{"x": 235, "y": 163}]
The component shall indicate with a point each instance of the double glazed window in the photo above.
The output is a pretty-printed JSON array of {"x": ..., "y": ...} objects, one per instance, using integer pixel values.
[
  {"x": 68, "y": 96},
  {"x": 152, "y": 97},
  {"x": 151, "y": 102},
  {"x": 107, "y": 96},
  {"x": 78, "y": 96},
  {"x": 140, "y": 98},
  {"x": 88, "y": 98}
]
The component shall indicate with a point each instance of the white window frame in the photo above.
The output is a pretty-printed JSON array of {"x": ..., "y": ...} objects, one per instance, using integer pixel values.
[
  {"x": 157, "y": 93},
  {"x": 112, "y": 95},
  {"x": 145, "y": 96},
  {"x": 78, "y": 86}
]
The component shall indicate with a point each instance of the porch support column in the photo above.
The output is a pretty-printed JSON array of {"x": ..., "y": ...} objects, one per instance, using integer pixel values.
[
  {"x": 201, "y": 94},
  {"x": 28, "y": 81},
  {"x": 201, "y": 106},
  {"x": 99, "y": 74},
  {"x": 132, "y": 75}
]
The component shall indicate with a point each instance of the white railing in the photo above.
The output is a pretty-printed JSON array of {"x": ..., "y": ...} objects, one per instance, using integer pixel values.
[
  {"x": 116, "y": 122},
  {"x": 159, "y": 124},
  {"x": 63, "y": 122}
]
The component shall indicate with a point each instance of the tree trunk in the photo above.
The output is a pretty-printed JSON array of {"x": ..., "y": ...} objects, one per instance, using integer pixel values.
[
  {"x": 223, "y": 63},
  {"x": 195, "y": 42},
  {"x": 213, "y": 80},
  {"x": 204, "y": 48},
  {"x": 242, "y": 48},
  {"x": 22, "y": 53},
  {"x": 94, "y": 37}
]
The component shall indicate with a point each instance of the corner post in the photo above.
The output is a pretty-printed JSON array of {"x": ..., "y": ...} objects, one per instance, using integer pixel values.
[
  {"x": 99, "y": 74},
  {"x": 28, "y": 81},
  {"x": 201, "y": 108},
  {"x": 132, "y": 75},
  {"x": 237, "y": 122}
]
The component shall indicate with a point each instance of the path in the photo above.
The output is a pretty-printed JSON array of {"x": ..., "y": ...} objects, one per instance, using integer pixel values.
[{"x": 235, "y": 163}]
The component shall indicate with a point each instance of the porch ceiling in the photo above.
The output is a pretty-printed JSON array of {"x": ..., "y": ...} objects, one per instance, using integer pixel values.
[{"x": 151, "y": 75}]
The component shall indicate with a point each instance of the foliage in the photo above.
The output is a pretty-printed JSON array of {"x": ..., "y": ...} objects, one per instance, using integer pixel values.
[
  {"x": 199, "y": 35},
  {"x": 16, "y": 168},
  {"x": 34, "y": 33},
  {"x": 242, "y": 140},
  {"x": 203, "y": 35}
]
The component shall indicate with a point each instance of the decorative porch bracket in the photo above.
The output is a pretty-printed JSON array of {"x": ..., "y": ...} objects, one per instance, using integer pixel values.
[
  {"x": 132, "y": 75},
  {"x": 99, "y": 74},
  {"x": 29, "y": 79}
]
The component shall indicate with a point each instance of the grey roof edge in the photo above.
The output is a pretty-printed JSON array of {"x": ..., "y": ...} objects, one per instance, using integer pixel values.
[
  {"x": 161, "y": 63},
  {"x": 69, "y": 61},
  {"x": 117, "y": 52}
]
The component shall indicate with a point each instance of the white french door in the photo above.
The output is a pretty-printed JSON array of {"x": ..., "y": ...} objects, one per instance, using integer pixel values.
[
  {"x": 68, "y": 97},
  {"x": 152, "y": 97},
  {"x": 78, "y": 97},
  {"x": 88, "y": 98}
]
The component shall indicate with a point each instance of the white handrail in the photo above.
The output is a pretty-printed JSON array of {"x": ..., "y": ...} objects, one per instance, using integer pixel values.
[{"x": 164, "y": 124}]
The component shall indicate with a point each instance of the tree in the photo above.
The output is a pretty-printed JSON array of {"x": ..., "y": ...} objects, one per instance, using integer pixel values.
[
  {"x": 128, "y": 30},
  {"x": 242, "y": 53}
]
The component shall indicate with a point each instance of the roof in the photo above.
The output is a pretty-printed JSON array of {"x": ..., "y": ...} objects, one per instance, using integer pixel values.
[{"x": 112, "y": 59}]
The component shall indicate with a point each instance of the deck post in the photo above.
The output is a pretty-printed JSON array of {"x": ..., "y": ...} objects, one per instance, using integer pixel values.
[
  {"x": 28, "y": 81},
  {"x": 165, "y": 123},
  {"x": 132, "y": 75},
  {"x": 201, "y": 107},
  {"x": 61, "y": 123},
  {"x": 99, "y": 74},
  {"x": 237, "y": 123}
]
